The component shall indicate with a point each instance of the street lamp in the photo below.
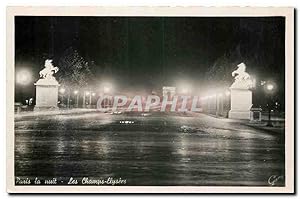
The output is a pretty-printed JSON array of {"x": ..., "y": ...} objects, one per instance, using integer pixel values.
[
  {"x": 23, "y": 77},
  {"x": 76, "y": 93},
  {"x": 62, "y": 91},
  {"x": 92, "y": 95},
  {"x": 184, "y": 91},
  {"x": 269, "y": 87},
  {"x": 226, "y": 103},
  {"x": 106, "y": 89},
  {"x": 88, "y": 93},
  {"x": 184, "y": 88},
  {"x": 227, "y": 93}
]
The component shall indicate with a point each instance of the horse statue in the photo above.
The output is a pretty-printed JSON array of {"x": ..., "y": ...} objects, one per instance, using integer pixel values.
[
  {"x": 240, "y": 73},
  {"x": 49, "y": 70},
  {"x": 241, "y": 77}
]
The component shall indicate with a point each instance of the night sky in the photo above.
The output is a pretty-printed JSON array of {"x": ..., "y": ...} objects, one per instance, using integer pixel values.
[{"x": 146, "y": 53}]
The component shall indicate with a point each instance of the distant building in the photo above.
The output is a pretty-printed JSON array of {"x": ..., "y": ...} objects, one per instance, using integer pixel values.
[{"x": 169, "y": 91}]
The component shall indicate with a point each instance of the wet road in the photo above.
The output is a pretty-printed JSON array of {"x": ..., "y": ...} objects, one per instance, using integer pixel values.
[{"x": 154, "y": 150}]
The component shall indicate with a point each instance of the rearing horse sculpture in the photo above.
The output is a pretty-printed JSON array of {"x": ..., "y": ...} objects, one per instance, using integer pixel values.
[
  {"x": 241, "y": 77},
  {"x": 240, "y": 73},
  {"x": 49, "y": 70}
]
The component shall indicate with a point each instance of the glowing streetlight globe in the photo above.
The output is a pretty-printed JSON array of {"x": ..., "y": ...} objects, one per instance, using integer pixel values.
[
  {"x": 93, "y": 94},
  {"x": 76, "y": 92},
  {"x": 106, "y": 89},
  {"x": 185, "y": 90},
  {"x": 62, "y": 90},
  {"x": 227, "y": 93},
  {"x": 270, "y": 87},
  {"x": 23, "y": 77}
]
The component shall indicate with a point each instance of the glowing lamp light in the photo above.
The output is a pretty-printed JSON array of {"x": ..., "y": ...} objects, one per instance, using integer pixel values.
[
  {"x": 227, "y": 93},
  {"x": 76, "y": 92},
  {"x": 62, "y": 90},
  {"x": 87, "y": 93},
  {"x": 23, "y": 77},
  {"x": 93, "y": 94},
  {"x": 270, "y": 87},
  {"x": 185, "y": 90},
  {"x": 106, "y": 89}
]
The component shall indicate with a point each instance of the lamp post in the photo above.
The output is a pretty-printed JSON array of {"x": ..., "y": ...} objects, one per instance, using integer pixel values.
[
  {"x": 90, "y": 103},
  {"x": 93, "y": 98},
  {"x": 220, "y": 104},
  {"x": 106, "y": 90},
  {"x": 68, "y": 100},
  {"x": 87, "y": 93},
  {"x": 83, "y": 99},
  {"x": 227, "y": 99},
  {"x": 76, "y": 94},
  {"x": 216, "y": 104},
  {"x": 23, "y": 78},
  {"x": 269, "y": 87},
  {"x": 62, "y": 92}
]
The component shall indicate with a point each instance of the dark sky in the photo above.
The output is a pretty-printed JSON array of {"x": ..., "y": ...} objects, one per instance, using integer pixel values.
[{"x": 150, "y": 52}]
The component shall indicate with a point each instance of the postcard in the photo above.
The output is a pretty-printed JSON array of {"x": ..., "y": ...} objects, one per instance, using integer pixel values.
[{"x": 150, "y": 100}]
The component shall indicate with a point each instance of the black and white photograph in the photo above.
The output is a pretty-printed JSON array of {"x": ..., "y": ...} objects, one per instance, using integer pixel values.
[{"x": 150, "y": 102}]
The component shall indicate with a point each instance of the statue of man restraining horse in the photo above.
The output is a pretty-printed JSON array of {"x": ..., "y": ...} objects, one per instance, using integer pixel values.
[
  {"x": 49, "y": 70},
  {"x": 241, "y": 77}
]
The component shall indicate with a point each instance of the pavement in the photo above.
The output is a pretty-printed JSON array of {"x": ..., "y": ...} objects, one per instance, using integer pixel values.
[
  {"x": 277, "y": 127},
  {"x": 150, "y": 149},
  {"x": 53, "y": 112}
]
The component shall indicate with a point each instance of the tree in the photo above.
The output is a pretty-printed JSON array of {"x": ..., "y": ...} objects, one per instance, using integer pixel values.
[
  {"x": 74, "y": 70},
  {"x": 219, "y": 74}
]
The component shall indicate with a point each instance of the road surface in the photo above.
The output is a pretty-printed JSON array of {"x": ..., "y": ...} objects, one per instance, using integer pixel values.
[{"x": 156, "y": 149}]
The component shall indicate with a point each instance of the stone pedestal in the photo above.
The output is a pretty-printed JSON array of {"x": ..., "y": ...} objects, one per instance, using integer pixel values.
[
  {"x": 256, "y": 114},
  {"x": 46, "y": 94},
  {"x": 241, "y": 103}
]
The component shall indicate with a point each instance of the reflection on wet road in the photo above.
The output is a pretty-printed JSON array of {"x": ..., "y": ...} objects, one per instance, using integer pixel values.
[{"x": 154, "y": 150}]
